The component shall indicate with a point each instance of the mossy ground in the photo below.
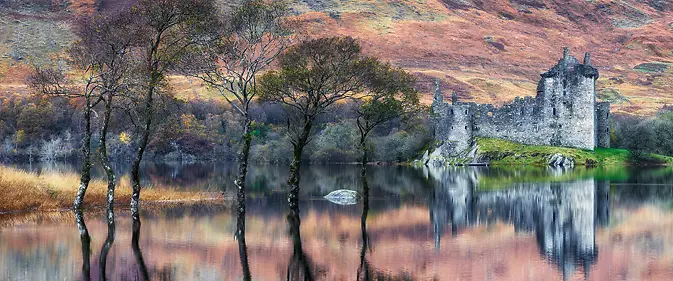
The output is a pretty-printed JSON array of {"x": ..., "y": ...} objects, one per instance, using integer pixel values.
[{"x": 502, "y": 152}]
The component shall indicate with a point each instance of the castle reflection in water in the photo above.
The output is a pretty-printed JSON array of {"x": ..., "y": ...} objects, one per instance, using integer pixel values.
[{"x": 563, "y": 216}]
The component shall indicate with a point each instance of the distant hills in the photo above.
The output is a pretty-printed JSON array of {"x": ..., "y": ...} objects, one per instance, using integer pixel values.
[{"x": 485, "y": 50}]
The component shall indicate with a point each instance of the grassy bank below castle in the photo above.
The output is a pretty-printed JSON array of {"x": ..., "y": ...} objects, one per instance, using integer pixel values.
[
  {"x": 24, "y": 191},
  {"x": 502, "y": 152}
]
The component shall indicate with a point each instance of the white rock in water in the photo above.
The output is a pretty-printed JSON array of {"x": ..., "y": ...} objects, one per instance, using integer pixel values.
[{"x": 343, "y": 197}]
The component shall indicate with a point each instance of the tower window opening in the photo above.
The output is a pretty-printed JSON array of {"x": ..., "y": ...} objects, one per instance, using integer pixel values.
[
  {"x": 451, "y": 111},
  {"x": 465, "y": 111},
  {"x": 465, "y": 127},
  {"x": 553, "y": 111}
]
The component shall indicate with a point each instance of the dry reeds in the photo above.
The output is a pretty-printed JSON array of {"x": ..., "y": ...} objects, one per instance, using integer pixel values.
[{"x": 21, "y": 190}]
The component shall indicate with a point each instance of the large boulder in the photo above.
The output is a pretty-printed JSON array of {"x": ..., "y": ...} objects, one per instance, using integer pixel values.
[
  {"x": 560, "y": 160},
  {"x": 343, "y": 197}
]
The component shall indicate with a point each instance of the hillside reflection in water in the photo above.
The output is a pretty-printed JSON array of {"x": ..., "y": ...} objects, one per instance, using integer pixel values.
[{"x": 410, "y": 224}]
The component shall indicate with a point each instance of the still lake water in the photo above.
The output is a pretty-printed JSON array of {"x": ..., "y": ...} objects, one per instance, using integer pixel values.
[{"x": 422, "y": 224}]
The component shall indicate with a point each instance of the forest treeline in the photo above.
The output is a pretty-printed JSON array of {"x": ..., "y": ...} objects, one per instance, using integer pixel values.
[{"x": 48, "y": 128}]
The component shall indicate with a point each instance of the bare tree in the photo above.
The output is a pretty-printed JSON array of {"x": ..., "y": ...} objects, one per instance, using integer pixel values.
[
  {"x": 101, "y": 57},
  {"x": 52, "y": 81},
  {"x": 254, "y": 34},
  {"x": 169, "y": 30}
]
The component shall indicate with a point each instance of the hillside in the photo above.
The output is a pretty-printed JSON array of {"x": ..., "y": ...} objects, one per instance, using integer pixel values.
[{"x": 486, "y": 51}]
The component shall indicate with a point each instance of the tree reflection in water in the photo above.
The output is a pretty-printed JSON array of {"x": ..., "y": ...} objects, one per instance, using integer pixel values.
[
  {"x": 299, "y": 268},
  {"x": 136, "y": 248},
  {"x": 365, "y": 271},
  {"x": 86, "y": 244},
  {"x": 109, "y": 240},
  {"x": 240, "y": 236}
]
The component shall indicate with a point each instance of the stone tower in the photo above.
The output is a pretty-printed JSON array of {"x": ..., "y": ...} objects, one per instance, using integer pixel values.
[{"x": 566, "y": 96}]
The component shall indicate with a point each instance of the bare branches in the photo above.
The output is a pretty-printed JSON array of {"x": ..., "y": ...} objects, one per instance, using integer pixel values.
[{"x": 250, "y": 40}]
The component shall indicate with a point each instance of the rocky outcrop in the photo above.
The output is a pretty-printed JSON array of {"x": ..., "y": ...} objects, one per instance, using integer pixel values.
[
  {"x": 445, "y": 156},
  {"x": 560, "y": 160}
]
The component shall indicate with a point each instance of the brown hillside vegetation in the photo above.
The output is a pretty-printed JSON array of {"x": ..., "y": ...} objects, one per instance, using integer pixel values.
[{"x": 486, "y": 51}]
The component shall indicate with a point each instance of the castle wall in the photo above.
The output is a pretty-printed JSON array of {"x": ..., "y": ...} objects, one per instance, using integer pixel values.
[
  {"x": 519, "y": 121},
  {"x": 603, "y": 124},
  {"x": 564, "y": 113}
]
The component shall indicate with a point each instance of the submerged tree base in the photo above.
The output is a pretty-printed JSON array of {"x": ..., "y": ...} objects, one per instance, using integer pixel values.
[{"x": 22, "y": 191}]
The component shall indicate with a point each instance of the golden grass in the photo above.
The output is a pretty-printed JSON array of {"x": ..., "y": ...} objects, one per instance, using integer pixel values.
[{"x": 21, "y": 190}]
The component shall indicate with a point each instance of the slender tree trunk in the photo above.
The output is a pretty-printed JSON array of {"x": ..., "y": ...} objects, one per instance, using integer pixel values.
[
  {"x": 240, "y": 186},
  {"x": 86, "y": 244},
  {"x": 293, "y": 181},
  {"x": 109, "y": 172},
  {"x": 135, "y": 238},
  {"x": 102, "y": 152},
  {"x": 298, "y": 268},
  {"x": 135, "y": 167},
  {"x": 85, "y": 176}
]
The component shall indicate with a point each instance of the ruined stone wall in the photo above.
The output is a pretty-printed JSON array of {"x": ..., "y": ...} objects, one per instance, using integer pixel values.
[
  {"x": 564, "y": 113},
  {"x": 603, "y": 124},
  {"x": 519, "y": 121}
]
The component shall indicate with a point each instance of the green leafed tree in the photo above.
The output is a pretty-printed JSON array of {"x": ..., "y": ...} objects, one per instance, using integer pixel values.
[
  {"x": 389, "y": 94},
  {"x": 312, "y": 76}
]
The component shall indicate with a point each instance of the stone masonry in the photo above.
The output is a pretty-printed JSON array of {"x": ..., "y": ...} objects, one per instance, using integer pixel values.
[{"x": 563, "y": 113}]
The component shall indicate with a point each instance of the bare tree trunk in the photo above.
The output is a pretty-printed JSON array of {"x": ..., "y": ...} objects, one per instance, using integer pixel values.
[
  {"x": 85, "y": 176},
  {"x": 102, "y": 151},
  {"x": 135, "y": 238},
  {"x": 109, "y": 172},
  {"x": 240, "y": 186},
  {"x": 135, "y": 167},
  {"x": 293, "y": 181},
  {"x": 86, "y": 244}
]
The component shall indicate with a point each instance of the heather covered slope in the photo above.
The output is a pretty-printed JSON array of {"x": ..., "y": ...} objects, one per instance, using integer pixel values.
[
  {"x": 494, "y": 50},
  {"x": 486, "y": 51}
]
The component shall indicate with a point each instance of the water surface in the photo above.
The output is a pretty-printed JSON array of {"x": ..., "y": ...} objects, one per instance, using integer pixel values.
[{"x": 419, "y": 224}]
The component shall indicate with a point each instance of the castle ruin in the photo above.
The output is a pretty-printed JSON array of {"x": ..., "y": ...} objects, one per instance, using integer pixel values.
[{"x": 563, "y": 113}]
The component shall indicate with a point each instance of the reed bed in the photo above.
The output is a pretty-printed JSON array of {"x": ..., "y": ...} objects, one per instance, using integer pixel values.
[{"x": 25, "y": 191}]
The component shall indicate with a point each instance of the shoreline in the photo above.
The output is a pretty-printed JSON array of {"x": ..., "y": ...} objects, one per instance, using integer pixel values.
[{"x": 28, "y": 192}]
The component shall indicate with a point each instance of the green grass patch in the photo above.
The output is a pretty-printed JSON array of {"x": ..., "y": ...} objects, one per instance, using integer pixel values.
[
  {"x": 656, "y": 67},
  {"x": 503, "y": 153}
]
